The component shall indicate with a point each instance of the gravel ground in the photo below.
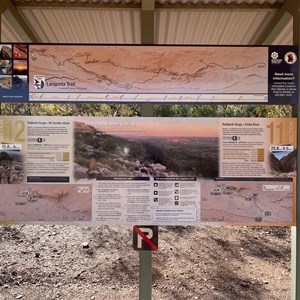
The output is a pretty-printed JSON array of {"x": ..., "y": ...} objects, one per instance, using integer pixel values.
[{"x": 89, "y": 262}]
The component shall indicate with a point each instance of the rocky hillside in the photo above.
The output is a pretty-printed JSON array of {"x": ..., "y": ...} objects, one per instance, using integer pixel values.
[
  {"x": 98, "y": 154},
  {"x": 287, "y": 164}
]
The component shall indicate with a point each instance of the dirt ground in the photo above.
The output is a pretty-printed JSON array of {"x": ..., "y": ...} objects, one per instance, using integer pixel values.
[{"x": 53, "y": 262}]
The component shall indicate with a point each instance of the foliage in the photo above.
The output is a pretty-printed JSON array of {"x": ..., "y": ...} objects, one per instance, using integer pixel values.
[
  {"x": 5, "y": 156},
  {"x": 273, "y": 111},
  {"x": 131, "y": 110},
  {"x": 69, "y": 109}
]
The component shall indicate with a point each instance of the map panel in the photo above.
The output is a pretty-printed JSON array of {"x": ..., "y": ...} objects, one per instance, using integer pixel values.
[
  {"x": 147, "y": 73},
  {"x": 247, "y": 201},
  {"x": 55, "y": 202},
  {"x": 123, "y": 70}
]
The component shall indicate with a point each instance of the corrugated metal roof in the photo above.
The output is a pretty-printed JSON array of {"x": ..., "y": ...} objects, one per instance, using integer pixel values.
[
  {"x": 286, "y": 35},
  {"x": 85, "y": 26},
  {"x": 210, "y": 27},
  {"x": 8, "y": 33},
  {"x": 123, "y": 26}
]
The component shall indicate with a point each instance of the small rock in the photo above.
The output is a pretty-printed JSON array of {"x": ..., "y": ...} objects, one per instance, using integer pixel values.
[
  {"x": 245, "y": 284},
  {"x": 265, "y": 282},
  {"x": 93, "y": 298},
  {"x": 19, "y": 296},
  {"x": 85, "y": 245}
]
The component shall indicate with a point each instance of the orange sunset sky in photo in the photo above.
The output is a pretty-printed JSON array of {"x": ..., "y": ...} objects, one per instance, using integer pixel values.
[
  {"x": 20, "y": 65},
  {"x": 156, "y": 127}
]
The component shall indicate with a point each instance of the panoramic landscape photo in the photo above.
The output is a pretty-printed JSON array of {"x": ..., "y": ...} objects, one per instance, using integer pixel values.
[{"x": 138, "y": 147}]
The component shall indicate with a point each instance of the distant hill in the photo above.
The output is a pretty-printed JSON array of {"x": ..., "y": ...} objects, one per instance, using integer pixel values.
[{"x": 98, "y": 154}]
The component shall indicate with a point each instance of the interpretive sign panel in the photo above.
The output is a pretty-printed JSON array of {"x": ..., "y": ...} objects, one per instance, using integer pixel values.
[
  {"x": 158, "y": 74},
  {"x": 148, "y": 170}
]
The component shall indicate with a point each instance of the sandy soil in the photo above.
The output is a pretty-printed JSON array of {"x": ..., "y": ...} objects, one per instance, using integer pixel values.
[{"x": 50, "y": 262}]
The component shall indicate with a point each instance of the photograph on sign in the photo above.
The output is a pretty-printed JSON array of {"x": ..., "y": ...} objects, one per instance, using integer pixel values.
[
  {"x": 14, "y": 72},
  {"x": 159, "y": 171}
]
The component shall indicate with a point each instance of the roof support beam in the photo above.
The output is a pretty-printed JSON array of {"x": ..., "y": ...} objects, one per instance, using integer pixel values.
[
  {"x": 11, "y": 14},
  {"x": 147, "y": 21},
  {"x": 220, "y": 6},
  {"x": 296, "y": 24},
  {"x": 103, "y": 5},
  {"x": 280, "y": 20},
  {"x": 147, "y": 37},
  {"x": 76, "y": 5}
]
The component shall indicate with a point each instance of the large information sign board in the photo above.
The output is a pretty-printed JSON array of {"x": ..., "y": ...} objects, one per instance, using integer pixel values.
[
  {"x": 148, "y": 170},
  {"x": 156, "y": 74}
]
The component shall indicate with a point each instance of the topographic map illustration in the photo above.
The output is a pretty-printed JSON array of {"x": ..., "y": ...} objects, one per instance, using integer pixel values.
[
  {"x": 146, "y": 69},
  {"x": 55, "y": 202},
  {"x": 247, "y": 201}
]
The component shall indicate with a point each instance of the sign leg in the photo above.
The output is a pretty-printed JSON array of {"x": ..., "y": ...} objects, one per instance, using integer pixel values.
[
  {"x": 145, "y": 283},
  {"x": 294, "y": 269}
]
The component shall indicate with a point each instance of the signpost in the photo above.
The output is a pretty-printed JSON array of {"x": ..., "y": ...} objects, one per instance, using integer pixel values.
[{"x": 145, "y": 240}]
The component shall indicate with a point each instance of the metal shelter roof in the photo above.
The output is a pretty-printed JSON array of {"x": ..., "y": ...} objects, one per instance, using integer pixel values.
[{"x": 246, "y": 22}]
